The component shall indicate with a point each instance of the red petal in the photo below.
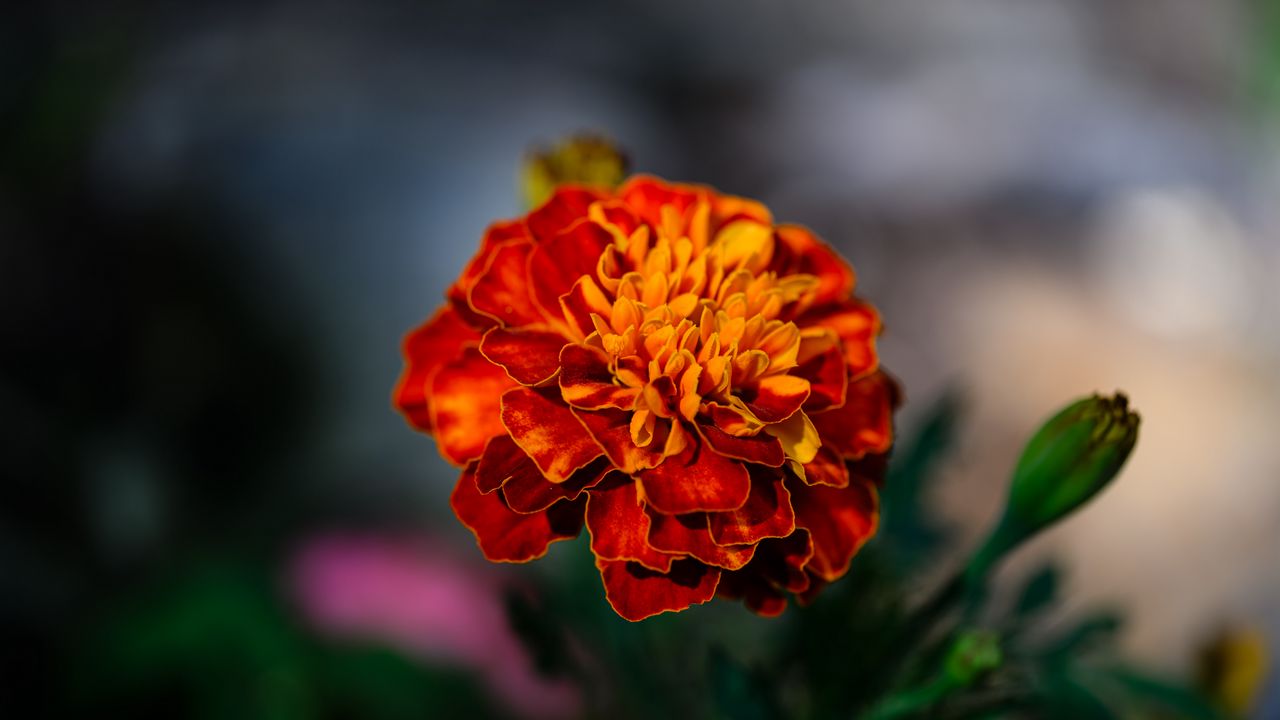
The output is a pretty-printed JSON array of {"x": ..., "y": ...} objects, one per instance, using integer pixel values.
[
  {"x": 501, "y": 459},
  {"x": 827, "y": 468},
  {"x": 635, "y": 592},
  {"x": 839, "y": 520},
  {"x": 777, "y": 397},
  {"x": 426, "y": 348},
  {"x": 611, "y": 430},
  {"x": 465, "y": 405},
  {"x": 689, "y": 535},
  {"x": 530, "y": 357},
  {"x": 493, "y": 236},
  {"x": 800, "y": 251},
  {"x": 546, "y": 430},
  {"x": 821, "y": 362},
  {"x": 864, "y": 423},
  {"x": 781, "y": 562},
  {"x": 502, "y": 290},
  {"x": 767, "y": 513},
  {"x": 857, "y": 324},
  {"x": 647, "y": 195},
  {"x": 566, "y": 206},
  {"x": 619, "y": 526},
  {"x": 559, "y": 262},
  {"x": 505, "y": 535},
  {"x": 527, "y": 491},
  {"x": 759, "y": 596},
  {"x": 584, "y": 299},
  {"x": 763, "y": 449},
  {"x": 585, "y": 380},
  {"x": 697, "y": 479}
]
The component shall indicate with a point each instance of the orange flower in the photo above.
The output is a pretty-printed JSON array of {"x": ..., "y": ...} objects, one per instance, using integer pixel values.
[{"x": 696, "y": 385}]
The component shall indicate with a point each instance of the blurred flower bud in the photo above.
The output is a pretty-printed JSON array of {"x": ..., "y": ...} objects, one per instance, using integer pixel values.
[
  {"x": 1072, "y": 457},
  {"x": 974, "y": 654},
  {"x": 581, "y": 159}
]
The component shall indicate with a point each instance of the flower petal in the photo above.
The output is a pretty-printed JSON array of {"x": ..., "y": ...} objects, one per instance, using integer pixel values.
[
  {"x": 827, "y": 468},
  {"x": 636, "y": 592},
  {"x": 767, "y": 513},
  {"x": 821, "y": 361},
  {"x": 559, "y": 262},
  {"x": 857, "y": 324},
  {"x": 690, "y": 535},
  {"x": 501, "y": 459},
  {"x": 505, "y": 535},
  {"x": 864, "y": 424},
  {"x": 619, "y": 526},
  {"x": 800, "y": 251},
  {"x": 611, "y": 429},
  {"x": 762, "y": 449},
  {"x": 546, "y": 430},
  {"x": 465, "y": 402},
  {"x": 527, "y": 491},
  {"x": 502, "y": 290},
  {"x": 431, "y": 345},
  {"x": 494, "y": 235},
  {"x": 586, "y": 383},
  {"x": 777, "y": 397},
  {"x": 698, "y": 479},
  {"x": 567, "y": 205},
  {"x": 759, "y": 596},
  {"x": 782, "y": 562},
  {"x": 530, "y": 357},
  {"x": 839, "y": 520}
]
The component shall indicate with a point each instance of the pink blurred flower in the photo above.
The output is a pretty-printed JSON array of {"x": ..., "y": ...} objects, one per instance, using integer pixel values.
[{"x": 419, "y": 598}]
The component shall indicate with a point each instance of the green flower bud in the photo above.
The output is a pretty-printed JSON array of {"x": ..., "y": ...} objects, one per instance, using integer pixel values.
[
  {"x": 581, "y": 159},
  {"x": 1072, "y": 457}
]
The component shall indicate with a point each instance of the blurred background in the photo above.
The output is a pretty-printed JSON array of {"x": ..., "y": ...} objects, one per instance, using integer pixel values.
[{"x": 217, "y": 221}]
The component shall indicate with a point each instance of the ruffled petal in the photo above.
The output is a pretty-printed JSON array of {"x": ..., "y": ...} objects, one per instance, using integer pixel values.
[
  {"x": 857, "y": 324},
  {"x": 495, "y": 235},
  {"x": 864, "y": 424},
  {"x": 698, "y": 479},
  {"x": 501, "y": 459},
  {"x": 619, "y": 526},
  {"x": 821, "y": 361},
  {"x": 431, "y": 345},
  {"x": 502, "y": 290},
  {"x": 759, "y": 596},
  {"x": 827, "y": 468},
  {"x": 547, "y": 431},
  {"x": 762, "y": 449},
  {"x": 559, "y": 262},
  {"x": 767, "y": 513},
  {"x": 777, "y": 397},
  {"x": 566, "y": 206},
  {"x": 690, "y": 535},
  {"x": 505, "y": 535},
  {"x": 530, "y": 357},
  {"x": 611, "y": 429},
  {"x": 586, "y": 383},
  {"x": 839, "y": 521},
  {"x": 465, "y": 405},
  {"x": 584, "y": 299},
  {"x": 636, "y": 592},
  {"x": 800, "y": 251},
  {"x": 527, "y": 491}
]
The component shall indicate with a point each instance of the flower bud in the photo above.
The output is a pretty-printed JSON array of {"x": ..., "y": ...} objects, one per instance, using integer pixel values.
[
  {"x": 581, "y": 159},
  {"x": 1070, "y": 459}
]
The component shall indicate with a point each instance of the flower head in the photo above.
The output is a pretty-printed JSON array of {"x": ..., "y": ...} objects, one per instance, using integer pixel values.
[{"x": 664, "y": 364}]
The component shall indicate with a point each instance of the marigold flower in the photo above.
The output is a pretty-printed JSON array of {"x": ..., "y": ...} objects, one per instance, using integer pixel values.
[{"x": 664, "y": 364}]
